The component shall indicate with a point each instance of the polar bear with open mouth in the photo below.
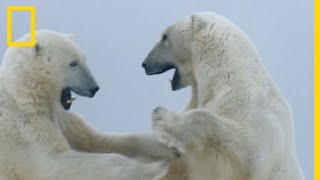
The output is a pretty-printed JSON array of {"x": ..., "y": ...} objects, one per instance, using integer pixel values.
[
  {"x": 237, "y": 126},
  {"x": 41, "y": 140}
]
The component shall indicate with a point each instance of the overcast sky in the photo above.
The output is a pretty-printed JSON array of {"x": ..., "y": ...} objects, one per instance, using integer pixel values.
[{"x": 117, "y": 35}]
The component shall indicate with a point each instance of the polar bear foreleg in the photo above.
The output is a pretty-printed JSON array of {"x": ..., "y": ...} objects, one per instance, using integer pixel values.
[
  {"x": 82, "y": 137},
  {"x": 212, "y": 143}
]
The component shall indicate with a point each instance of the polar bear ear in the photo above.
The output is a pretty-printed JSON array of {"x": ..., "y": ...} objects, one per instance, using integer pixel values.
[
  {"x": 37, "y": 48},
  {"x": 198, "y": 23}
]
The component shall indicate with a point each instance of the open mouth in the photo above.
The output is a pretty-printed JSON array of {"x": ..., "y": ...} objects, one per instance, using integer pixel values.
[
  {"x": 66, "y": 98},
  {"x": 175, "y": 81},
  {"x": 159, "y": 70}
]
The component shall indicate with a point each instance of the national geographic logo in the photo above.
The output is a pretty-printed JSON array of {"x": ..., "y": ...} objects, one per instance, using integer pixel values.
[{"x": 32, "y": 11}]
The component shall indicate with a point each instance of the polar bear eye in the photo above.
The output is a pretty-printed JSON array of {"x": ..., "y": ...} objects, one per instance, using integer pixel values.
[
  {"x": 73, "y": 64},
  {"x": 164, "y": 37}
]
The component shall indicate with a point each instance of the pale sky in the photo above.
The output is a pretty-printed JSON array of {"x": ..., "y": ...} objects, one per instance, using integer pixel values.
[{"x": 117, "y": 35}]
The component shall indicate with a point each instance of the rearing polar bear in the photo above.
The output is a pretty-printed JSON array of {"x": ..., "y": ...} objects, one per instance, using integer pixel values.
[
  {"x": 236, "y": 126},
  {"x": 41, "y": 140}
]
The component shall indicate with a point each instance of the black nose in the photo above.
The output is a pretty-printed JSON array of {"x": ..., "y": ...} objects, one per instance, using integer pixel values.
[
  {"x": 144, "y": 65},
  {"x": 94, "y": 90}
]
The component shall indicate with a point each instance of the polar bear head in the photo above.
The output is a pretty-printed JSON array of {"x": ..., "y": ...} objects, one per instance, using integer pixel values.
[
  {"x": 52, "y": 68},
  {"x": 198, "y": 42},
  {"x": 173, "y": 51}
]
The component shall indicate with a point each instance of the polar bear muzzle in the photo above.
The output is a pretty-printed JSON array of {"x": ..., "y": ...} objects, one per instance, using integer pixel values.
[
  {"x": 66, "y": 98},
  {"x": 159, "y": 68}
]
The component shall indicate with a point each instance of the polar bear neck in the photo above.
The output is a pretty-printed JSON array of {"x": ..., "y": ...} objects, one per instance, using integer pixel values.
[
  {"x": 228, "y": 62},
  {"x": 30, "y": 90}
]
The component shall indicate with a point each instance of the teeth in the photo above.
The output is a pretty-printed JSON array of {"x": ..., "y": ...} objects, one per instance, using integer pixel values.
[{"x": 69, "y": 101}]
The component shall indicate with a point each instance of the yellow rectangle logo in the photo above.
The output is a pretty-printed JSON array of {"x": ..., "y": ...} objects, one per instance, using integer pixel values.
[{"x": 32, "y": 41}]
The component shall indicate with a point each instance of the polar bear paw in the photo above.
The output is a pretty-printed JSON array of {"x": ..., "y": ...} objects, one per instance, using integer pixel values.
[
  {"x": 162, "y": 114},
  {"x": 163, "y": 151},
  {"x": 163, "y": 120},
  {"x": 167, "y": 124}
]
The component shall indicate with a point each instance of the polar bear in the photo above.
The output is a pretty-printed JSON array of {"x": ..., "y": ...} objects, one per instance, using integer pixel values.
[
  {"x": 41, "y": 140},
  {"x": 236, "y": 126}
]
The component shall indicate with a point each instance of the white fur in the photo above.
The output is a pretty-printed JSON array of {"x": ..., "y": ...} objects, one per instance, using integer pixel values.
[
  {"x": 39, "y": 140},
  {"x": 236, "y": 126}
]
